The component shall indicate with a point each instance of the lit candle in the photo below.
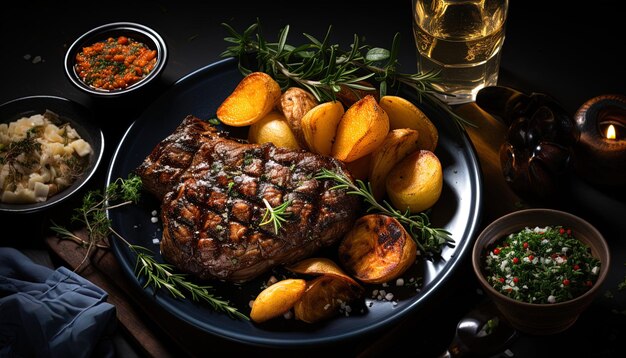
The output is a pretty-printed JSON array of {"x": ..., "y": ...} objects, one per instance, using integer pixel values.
[
  {"x": 610, "y": 132},
  {"x": 600, "y": 155}
]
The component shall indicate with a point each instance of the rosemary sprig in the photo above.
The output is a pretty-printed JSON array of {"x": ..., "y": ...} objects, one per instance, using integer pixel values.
[
  {"x": 92, "y": 214},
  {"x": 429, "y": 240},
  {"x": 325, "y": 69},
  {"x": 159, "y": 275},
  {"x": 276, "y": 216}
]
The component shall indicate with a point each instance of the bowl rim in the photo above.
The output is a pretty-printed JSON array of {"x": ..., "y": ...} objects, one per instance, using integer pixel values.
[
  {"x": 83, "y": 122},
  {"x": 97, "y": 33},
  {"x": 604, "y": 268}
]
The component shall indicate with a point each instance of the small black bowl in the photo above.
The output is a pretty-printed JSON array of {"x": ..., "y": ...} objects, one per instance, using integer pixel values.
[
  {"x": 80, "y": 118},
  {"x": 138, "y": 32}
]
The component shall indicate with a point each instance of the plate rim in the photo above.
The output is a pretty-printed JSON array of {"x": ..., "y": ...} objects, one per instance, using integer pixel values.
[{"x": 471, "y": 230}]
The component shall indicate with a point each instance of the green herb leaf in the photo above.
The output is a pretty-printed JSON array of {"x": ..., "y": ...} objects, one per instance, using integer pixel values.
[
  {"x": 92, "y": 214},
  {"x": 429, "y": 240},
  {"x": 276, "y": 216},
  {"x": 325, "y": 69}
]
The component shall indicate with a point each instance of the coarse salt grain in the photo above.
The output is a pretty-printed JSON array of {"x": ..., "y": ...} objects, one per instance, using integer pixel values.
[
  {"x": 154, "y": 219},
  {"x": 155, "y": 241},
  {"x": 551, "y": 299},
  {"x": 154, "y": 212},
  {"x": 400, "y": 282}
]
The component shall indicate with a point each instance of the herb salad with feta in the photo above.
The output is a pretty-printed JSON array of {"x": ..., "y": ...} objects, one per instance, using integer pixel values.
[{"x": 541, "y": 265}]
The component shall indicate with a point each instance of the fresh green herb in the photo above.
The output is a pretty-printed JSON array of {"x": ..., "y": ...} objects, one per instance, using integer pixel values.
[
  {"x": 276, "y": 216},
  {"x": 488, "y": 327},
  {"x": 541, "y": 265},
  {"x": 159, "y": 275},
  {"x": 248, "y": 158},
  {"x": 28, "y": 147},
  {"x": 92, "y": 214},
  {"x": 429, "y": 240},
  {"x": 214, "y": 121},
  {"x": 325, "y": 69}
]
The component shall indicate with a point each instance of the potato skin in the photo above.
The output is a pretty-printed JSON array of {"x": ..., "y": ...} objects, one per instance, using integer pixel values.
[
  {"x": 254, "y": 97},
  {"x": 319, "y": 126},
  {"x": 323, "y": 297},
  {"x": 404, "y": 114},
  {"x": 277, "y": 299},
  {"x": 362, "y": 128},
  {"x": 360, "y": 168},
  {"x": 397, "y": 145},
  {"x": 416, "y": 182},
  {"x": 294, "y": 103},
  {"x": 273, "y": 128},
  {"x": 378, "y": 249},
  {"x": 348, "y": 96}
]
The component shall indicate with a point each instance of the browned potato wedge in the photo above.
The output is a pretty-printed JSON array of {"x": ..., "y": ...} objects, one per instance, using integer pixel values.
[
  {"x": 397, "y": 144},
  {"x": 321, "y": 266},
  {"x": 319, "y": 126},
  {"x": 294, "y": 103},
  {"x": 404, "y": 114},
  {"x": 360, "y": 168},
  {"x": 253, "y": 98},
  {"x": 378, "y": 249},
  {"x": 323, "y": 298},
  {"x": 348, "y": 96},
  {"x": 277, "y": 299},
  {"x": 273, "y": 128},
  {"x": 416, "y": 182},
  {"x": 361, "y": 129}
]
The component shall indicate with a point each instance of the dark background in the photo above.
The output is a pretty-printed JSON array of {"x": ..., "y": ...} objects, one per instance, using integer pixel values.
[{"x": 564, "y": 49}]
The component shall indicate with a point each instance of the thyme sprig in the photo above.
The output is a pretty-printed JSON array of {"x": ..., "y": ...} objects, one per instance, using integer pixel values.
[
  {"x": 92, "y": 214},
  {"x": 325, "y": 69},
  {"x": 276, "y": 216},
  {"x": 428, "y": 239}
]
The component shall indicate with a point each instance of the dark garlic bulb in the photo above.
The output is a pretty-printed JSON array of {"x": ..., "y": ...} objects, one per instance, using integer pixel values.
[{"x": 536, "y": 154}]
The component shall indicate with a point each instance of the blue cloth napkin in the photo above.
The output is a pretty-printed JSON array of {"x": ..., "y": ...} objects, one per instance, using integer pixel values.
[{"x": 51, "y": 313}]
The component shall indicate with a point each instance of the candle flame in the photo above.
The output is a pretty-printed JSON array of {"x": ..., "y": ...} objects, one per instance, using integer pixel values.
[{"x": 610, "y": 132}]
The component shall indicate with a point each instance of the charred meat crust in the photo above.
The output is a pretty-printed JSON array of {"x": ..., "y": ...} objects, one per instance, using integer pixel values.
[{"x": 212, "y": 189}]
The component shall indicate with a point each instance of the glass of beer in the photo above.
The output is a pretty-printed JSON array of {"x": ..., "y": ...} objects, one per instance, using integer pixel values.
[{"x": 461, "y": 41}]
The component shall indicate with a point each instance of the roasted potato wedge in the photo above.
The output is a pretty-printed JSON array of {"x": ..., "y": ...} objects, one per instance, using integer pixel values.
[
  {"x": 348, "y": 96},
  {"x": 277, "y": 299},
  {"x": 273, "y": 128},
  {"x": 361, "y": 129},
  {"x": 360, "y": 168},
  {"x": 397, "y": 145},
  {"x": 253, "y": 98},
  {"x": 319, "y": 126},
  {"x": 404, "y": 114},
  {"x": 415, "y": 182},
  {"x": 294, "y": 103},
  {"x": 324, "y": 297},
  {"x": 321, "y": 266},
  {"x": 377, "y": 249}
]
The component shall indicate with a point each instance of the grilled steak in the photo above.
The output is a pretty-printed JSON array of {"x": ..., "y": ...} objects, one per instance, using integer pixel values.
[{"x": 212, "y": 189}]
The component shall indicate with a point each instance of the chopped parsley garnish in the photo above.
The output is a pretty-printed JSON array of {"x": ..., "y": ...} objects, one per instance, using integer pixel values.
[{"x": 541, "y": 265}]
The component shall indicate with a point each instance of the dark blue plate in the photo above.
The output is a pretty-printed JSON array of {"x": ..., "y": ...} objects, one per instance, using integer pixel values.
[{"x": 200, "y": 93}]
